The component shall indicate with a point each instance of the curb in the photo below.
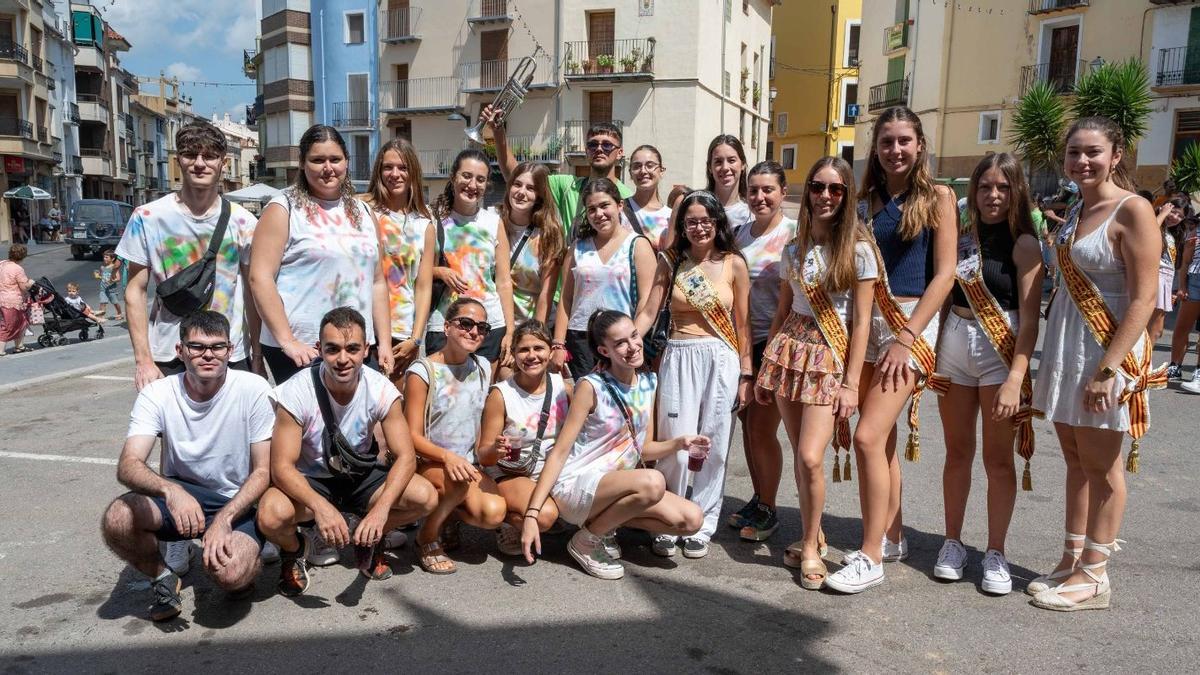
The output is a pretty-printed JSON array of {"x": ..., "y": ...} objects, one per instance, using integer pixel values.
[{"x": 64, "y": 375}]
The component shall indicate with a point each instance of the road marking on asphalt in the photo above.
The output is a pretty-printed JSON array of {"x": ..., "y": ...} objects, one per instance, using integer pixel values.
[
  {"x": 116, "y": 378},
  {"x": 58, "y": 458}
]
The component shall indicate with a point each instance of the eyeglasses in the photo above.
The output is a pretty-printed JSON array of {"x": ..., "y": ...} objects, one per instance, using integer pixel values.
[
  {"x": 605, "y": 146},
  {"x": 218, "y": 349},
  {"x": 816, "y": 188},
  {"x": 644, "y": 166},
  {"x": 194, "y": 157},
  {"x": 467, "y": 324},
  {"x": 697, "y": 223}
]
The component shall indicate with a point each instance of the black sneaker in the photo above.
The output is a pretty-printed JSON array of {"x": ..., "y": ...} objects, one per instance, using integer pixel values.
[
  {"x": 293, "y": 571},
  {"x": 167, "y": 603},
  {"x": 742, "y": 517},
  {"x": 1174, "y": 372},
  {"x": 761, "y": 525}
]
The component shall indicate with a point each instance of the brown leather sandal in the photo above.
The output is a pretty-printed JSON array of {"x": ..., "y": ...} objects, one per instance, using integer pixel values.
[{"x": 432, "y": 558}]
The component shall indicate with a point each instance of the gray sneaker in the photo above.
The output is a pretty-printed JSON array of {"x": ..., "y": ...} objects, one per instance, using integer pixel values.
[
  {"x": 611, "y": 546},
  {"x": 588, "y": 551},
  {"x": 664, "y": 545},
  {"x": 694, "y": 548},
  {"x": 178, "y": 556},
  {"x": 951, "y": 561}
]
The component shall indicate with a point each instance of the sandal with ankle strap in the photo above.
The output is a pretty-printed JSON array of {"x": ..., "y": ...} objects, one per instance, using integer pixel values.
[
  {"x": 1052, "y": 598},
  {"x": 432, "y": 558},
  {"x": 1053, "y": 579}
]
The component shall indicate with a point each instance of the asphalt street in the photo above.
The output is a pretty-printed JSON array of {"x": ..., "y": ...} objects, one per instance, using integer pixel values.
[{"x": 72, "y": 606}]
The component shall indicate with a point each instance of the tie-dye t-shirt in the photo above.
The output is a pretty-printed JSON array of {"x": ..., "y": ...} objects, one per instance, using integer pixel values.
[
  {"x": 762, "y": 257},
  {"x": 403, "y": 237},
  {"x": 164, "y": 237},
  {"x": 328, "y": 262},
  {"x": 656, "y": 223},
  {"x": 523, "y": 412},
  {"x": 599, "y": 284},
  {"x": 526, "y": 272},
  {"x": 458, "y": 393},
  {"x": 356, "y": 420},
  {"x": 739, "y": 214},
  {"x": 604, "y": 443},
  {"x": 470, "y": 250}
]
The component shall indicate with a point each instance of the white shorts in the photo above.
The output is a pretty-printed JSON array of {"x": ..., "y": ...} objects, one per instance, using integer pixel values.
[
  {"x": 967, "y": 357},
  {"x": 574, "y": 496},
  {"x": 882, "y": 337}
]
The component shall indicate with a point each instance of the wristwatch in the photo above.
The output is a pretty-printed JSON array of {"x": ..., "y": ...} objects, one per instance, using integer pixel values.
[
  {"x": 419, "y": 342},
  {"x": 1106, "y": 373}
]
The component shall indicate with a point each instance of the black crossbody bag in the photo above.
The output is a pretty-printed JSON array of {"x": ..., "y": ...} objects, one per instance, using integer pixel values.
[
  {"x": 654, "y": 343},
  {"x": 527, "y": 462},
  {"x": 191, "y": 288},
  {"x": 439, "y": 287},
  {"x": 340, "y": 456}
]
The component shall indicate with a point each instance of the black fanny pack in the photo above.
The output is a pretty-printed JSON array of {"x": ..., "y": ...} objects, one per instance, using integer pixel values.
[
  {"x": 191, "y": 288},
  {"x": 527, "y": 461},
  {"x": 341, "y": 457}
]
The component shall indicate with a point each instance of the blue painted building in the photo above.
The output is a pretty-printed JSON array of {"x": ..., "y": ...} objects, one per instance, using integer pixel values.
[{"x": 345, "y": 73}]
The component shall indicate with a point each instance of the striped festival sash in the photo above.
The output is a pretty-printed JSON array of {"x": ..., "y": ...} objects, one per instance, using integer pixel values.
[
  {"x": 700, "y": 294},
  {"x": 1001, "y": 334},
  {"x": 809, "y": 275},
  {"x": 922, "y": 353},
  {"x": 1102, "y": 324}
]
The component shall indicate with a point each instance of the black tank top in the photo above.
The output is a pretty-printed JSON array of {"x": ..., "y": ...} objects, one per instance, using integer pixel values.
[{"x": 999, "y": 271}]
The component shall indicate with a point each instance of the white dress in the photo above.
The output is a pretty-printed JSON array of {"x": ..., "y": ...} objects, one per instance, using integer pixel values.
[{"x": 1070, "y": 355}]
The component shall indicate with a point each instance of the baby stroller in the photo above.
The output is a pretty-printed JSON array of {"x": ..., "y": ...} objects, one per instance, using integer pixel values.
[{"x": 60, "y": 317}]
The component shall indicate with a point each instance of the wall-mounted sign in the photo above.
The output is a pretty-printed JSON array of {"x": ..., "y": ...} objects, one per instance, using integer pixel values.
[
  {"x": 14, "y": 164},
  {"x": 895, "y": 38}
]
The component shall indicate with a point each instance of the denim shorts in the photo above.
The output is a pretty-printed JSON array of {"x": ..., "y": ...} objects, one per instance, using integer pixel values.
[
  {"x": 966, "y": 355},
  {"x": 210, "y": 503}
]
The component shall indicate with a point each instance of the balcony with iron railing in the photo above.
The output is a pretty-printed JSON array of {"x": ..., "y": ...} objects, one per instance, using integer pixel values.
[
  {"x": 360, "y": 169},
  {"x": 574, "y": 134},
  {"x": 435, "y": 163},
  {"x": 147, "y": 147},
  {"x": 1045, "y": 6},
  {"x": 73, "y": 112},
  {"x": 1177, "y": 67},
  {"x": 611, "y": 60},
  {"x": 399, "y": 26},
  {"x": 43, "y": 135},
  {"x": 128, "y": 122},
  {"x": 536, "y": 148},
  {"x": 488, "y": 11},
  {"x": 480, "y": 77},
  {"x": 422, "y": 96},
  {"x": 13, "y": 126},
  {"x": 1060, "y": 75},
  {"x": 348, "y": 114},
  {"x": 249, "y": 62},
  {"x": 11, "y": 51},
  {"x": 888, "y": 94}
]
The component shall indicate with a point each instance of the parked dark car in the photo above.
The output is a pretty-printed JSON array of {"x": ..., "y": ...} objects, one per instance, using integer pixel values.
[{"x": 96, "y": 225}]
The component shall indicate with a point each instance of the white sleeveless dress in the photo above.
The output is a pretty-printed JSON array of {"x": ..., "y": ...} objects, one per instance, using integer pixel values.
[{"x": 1070, "y": 355}]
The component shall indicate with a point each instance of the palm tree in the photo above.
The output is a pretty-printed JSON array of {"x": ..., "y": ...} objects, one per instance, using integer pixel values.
[
  {"x": 1185, "y": 171},
  {"x": 1119, "y": 91},
  {"x": 1038, "y": 127}
]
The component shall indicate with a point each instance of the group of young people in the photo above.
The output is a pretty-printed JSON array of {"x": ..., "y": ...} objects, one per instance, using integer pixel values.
[{"x": 580, "y": 354}]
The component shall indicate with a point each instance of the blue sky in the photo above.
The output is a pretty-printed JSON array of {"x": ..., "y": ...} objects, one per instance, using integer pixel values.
[{"x": 200, "y": 40}]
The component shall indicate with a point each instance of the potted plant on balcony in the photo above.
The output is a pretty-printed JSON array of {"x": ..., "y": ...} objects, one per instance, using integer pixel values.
[
  {"x": 571, "y": 66},
  {"x": 589, "y": 66},
  {"x": 631, "y": 60},
  {"x": 756, "y": 95},
  {"x": 553, "y": 147},
  {"x": 605, "y": 63}
]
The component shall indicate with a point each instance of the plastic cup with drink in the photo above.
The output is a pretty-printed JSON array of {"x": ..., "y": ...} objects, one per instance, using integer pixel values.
[{"x": 697, "y": 451}]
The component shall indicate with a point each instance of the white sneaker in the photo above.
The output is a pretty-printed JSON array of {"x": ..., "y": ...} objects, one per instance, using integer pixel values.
[
  {"x": 178, "y": 556},
  {"x": 508, "y": 540},
  {"x": 996, "y": 579},
  {"x": 664, "y": 545},
  {"x": 588, "y": 550},
  {"x": 951, "y": 561},
  {"x": 611, "y": 546},
  {"x": 1192, "y": 385},
  {"x": 859, "y": 574},
  {"x": 319, "y": 553},
  {"x": 894, "y": 552},
  {"x": 395, "y": 539},
  {"x": 269, "y": 553}
]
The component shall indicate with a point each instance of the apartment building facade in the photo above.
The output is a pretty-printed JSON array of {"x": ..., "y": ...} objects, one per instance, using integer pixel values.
[
  {"x": 672, "y": 73},
  {"x": 150, "y": 152},
  {"x": 67, "y": 183},
  {"x": 239, "y": 157},
  {"x": 102, "y": 90},
  {"x": 964, "y": 70},
  {"x": 1173, "y": 60},
  {"x": 813, "y": 76}
]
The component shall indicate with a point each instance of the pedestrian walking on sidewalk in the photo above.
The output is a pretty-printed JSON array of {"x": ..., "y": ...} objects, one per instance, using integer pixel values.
[{"x": 13, "y": 285}]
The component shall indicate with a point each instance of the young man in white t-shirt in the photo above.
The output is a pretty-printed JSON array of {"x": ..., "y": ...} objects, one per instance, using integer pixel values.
[
  {"x": 216, "y": 426},
  {"x": 174, "y": 231},
  {"x": 306, "y": 488}
]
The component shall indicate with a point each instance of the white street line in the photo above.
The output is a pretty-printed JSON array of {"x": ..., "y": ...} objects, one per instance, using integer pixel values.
[
  {"x": 115, "y": 378},
  {"x": 58, "y": 458}
]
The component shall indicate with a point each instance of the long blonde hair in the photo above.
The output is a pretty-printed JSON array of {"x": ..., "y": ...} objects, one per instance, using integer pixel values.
[
  {"x": 377, "y": 194},
  {"x": 920, "y": 209},
  {"x": 544, "y": 218},
  {"x": 846, "y": 232}
]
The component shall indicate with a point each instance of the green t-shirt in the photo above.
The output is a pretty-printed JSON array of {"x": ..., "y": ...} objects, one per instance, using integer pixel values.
[
  {"x": 566, "y": 197},
  {"x": 1039, "y": 223}
]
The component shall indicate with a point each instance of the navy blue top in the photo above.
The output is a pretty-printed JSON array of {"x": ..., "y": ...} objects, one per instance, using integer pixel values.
[
  {"x": 909, "y": 264},
  {"x": 999, "y": 271}
]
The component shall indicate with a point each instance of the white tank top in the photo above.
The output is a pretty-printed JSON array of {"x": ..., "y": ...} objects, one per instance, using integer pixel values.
[
  {"x": 523, "y": 412},
  {"x": 604, "y": 443},
  {"x": 600, "y": 285}
]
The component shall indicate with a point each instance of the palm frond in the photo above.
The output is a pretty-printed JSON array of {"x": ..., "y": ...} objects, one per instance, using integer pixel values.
[
  {"x": 1037, "y": 127},
  {"x": 1119, "y": 91},
  {"x": 1185, "y": 171}
]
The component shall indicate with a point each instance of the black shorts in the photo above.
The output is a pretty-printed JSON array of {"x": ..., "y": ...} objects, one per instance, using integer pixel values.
[
  {"x": 582, "y": 360},
  {"x": 490, "y": 349},
  {"x": 756, "y": 355},
  {"x": 175, "y": 366},
  {"x": 210, "y": 502},
  {"x": 349, "y": 495}
]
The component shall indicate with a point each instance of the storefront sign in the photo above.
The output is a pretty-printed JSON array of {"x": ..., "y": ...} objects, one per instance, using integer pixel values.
[{"x": 14, "y": 164}]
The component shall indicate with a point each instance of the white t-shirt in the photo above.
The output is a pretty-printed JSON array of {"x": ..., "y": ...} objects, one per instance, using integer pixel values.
[
  {"x": 164, "y": 237},
  {"x": 356, "y": 420},
  {"x": 206, "y": 442},
  {"x": 470, "y": 250},
  {"x": 523, "y": 413},
  {"x": 762, "y": 258},
  {"x": 458, "y": 394},
  {"x": 77, "y": 302},
  {"x": 865, "y": 267},
  {"x": 328, "y": 262}
]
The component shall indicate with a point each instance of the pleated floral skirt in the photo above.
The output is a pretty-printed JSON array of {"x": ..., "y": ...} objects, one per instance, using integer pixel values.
[{"x": 799, "y": 365}]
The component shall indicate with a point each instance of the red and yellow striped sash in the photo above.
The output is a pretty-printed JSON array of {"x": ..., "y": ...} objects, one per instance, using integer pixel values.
[{"x": 702, "y": 296}]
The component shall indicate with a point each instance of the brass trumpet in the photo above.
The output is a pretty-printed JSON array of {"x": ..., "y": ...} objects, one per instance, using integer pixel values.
[{"x": 511, "y": 96}]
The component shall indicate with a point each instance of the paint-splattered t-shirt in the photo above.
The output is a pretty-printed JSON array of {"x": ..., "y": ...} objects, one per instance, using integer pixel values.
[
  {"x": 164, "y": 237},
  {"x": 600, "y": 284},
  {"x": 526, "y": 272},
  {"x": 656, "y": 223},
  {"x": 762, "y": 258},
  {"x": 470, "y": 250},
  {"x": 328, "y": 262},
  {"x": 458, "y": 393},
  {"x": 604, "y": 443},
  {"x": 403, "y": 236},
  {"x": 523, "y": 413}
]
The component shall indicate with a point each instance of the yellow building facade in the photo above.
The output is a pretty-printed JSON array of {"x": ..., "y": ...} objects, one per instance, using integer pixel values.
[{"x": 813, "y": 82}]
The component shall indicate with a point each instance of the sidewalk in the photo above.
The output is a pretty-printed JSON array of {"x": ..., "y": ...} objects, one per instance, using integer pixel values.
[{"x": 48, "y": 364}]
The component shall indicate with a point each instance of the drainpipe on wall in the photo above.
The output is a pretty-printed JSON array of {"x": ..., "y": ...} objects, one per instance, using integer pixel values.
[
  {"x": 721, "y": 75},
  {"x": 558, "y": 19},
  {"x": 833, "y": 25},
  {"x": 324, "y": 91},
  {"x": 941, "y": 126}
]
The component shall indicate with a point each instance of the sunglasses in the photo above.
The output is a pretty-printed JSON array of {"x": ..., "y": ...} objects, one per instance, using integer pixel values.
[
  {"x": 816, "y": 188},
  {"x": 606, "y": 146},
  {"x": 467, "y": 324}
]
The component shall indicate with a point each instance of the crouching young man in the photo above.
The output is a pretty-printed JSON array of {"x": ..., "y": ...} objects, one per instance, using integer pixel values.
[
  {"x": 309, "y": 487},
  {"x": 216, "y": 429}
]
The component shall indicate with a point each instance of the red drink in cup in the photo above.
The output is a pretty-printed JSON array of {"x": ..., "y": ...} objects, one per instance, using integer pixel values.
[
  {"x": 514, "y": 448},
  {"x": 697, "y": 453}
]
